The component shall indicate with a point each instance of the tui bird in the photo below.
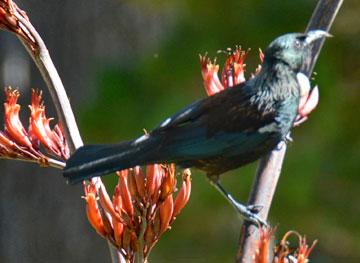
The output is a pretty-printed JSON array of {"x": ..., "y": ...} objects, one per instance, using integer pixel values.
[{"x": 219, "y": 133}]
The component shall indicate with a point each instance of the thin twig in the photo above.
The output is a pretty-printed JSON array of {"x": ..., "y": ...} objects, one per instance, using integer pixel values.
[
  {"x": 55, "y": 163},
  {"x": 49, "y": 162},
  {"x": 60, "y": 99},
  {"x": 56, "y": 88},
  {"x": 269, "y": 168}
]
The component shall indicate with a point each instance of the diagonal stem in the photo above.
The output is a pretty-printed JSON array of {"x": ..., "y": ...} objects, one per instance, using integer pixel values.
[
  {"x": 53, "y": 81},
  {"x": 56, "y": 88},
  {"x": 269, "y": 168}
]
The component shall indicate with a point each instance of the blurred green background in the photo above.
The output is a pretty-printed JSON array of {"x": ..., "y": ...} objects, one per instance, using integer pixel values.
[{"x": 318, "y": 194}]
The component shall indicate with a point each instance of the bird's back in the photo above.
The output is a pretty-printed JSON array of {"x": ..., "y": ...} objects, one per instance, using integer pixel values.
[{"x": 230, "y": 129}]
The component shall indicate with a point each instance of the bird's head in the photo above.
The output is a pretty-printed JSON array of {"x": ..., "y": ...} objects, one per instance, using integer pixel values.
[{"x": 293, "y": 49}]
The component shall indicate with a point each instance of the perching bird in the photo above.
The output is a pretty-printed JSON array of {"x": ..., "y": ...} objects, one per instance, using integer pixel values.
[{"x": 219, "y": 133}]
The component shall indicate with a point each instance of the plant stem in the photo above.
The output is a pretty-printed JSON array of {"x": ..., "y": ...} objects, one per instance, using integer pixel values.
[
  {"x": 55, "y": 163},
  {"x": 56, "y": 88},
  {"x": 269, "y": 168},
  {"x": 60, "y": 99}
]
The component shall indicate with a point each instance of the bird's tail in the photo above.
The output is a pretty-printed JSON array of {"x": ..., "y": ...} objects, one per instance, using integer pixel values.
[{"x": 97, "y": 160}]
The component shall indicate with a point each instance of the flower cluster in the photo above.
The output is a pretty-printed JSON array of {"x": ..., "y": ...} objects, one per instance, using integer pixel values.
[
  {"x": 283, "y": 253},
  {"x": 143, "y": 205},
  {"x": 18, "y": 143},
  {"x": 141, "y": 210},
  {"x": 10, "y": 14},
  {"x": 233, "y": 74}
]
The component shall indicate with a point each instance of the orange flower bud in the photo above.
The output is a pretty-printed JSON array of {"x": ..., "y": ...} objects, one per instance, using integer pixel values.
[
  {"x": 92, "y": 210},
  {"x": 153, "y": 177},
  {"x": 117, "y": 202},
  {"x": 166, "y": 210},
  {"x": 132, "y": 183},
  {"x": 209, "y": 72},
  {"x": 262, "y": 249},
  {"x": 106, "y": 217},
  {"x": 106, "y": 202},
  {"x": 169, "y": 182},
  {"x": 13, "y": 125},
  {"x": 61, "y": 141},
  {"x": 125, "y": 193},
  {"x": 118, "y": 231},
  {"x": 301, "y": 254},
  {"x": 117, "y": 220},
  {"x": 233, "y": 72},
  {"x": 39, "y": 125},
  {"x": 140, "y": 181},
  {"x": 304, "y": 250},
  {"x": 184, "y": 194},
  {"x": 9, "y": 21},
  {"x": 39, "y": 128}
]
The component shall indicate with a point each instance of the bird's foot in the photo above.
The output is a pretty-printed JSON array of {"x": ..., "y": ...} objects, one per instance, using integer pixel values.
[
  {"x": 288, "y": 139},
  {"x": 249, "y": 213},
  {"x": 255, "y": 208},
  {"x": 281, "y": 144}
]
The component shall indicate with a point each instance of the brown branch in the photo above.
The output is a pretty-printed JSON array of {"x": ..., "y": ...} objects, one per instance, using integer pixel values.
[{"x": 269, "y": 168}]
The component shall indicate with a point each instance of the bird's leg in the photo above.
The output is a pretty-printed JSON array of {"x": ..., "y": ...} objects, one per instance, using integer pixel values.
[{"x": 249, "y": 212}]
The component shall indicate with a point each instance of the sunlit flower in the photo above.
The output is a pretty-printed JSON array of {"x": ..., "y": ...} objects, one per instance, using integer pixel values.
[
  {"x": 13, "y": 125},
  {"x": 9, "y": 20},
  {"x": 233, "y": 74},
  {"x": 263, "y": 251},
  {"x": 284, "y": 253},
  {"x": 40, "y": 131},
  {"x": 142, "y": 208},
  {"x": 18, "y": 143}
]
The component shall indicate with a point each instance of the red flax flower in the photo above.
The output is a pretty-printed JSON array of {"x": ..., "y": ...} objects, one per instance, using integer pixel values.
[
  {"x": 143, "y": 205},
  {"x": 142, "y": 208},
  {"x": 18, "y": 143},
  {"x": 282, "y": 253},
  {"x": 233, "y": 74},
  {"x": 10, "y": 14}
]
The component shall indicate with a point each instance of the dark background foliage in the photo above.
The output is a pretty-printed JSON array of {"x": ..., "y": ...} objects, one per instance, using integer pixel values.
[{"x": 129, "y": 64}]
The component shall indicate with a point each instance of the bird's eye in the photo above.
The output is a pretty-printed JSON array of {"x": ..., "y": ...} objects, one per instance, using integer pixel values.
[{"x": 297, "y": 44}]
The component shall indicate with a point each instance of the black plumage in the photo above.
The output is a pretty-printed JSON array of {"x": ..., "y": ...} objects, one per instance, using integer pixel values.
[{"x": 229, "y": 129}]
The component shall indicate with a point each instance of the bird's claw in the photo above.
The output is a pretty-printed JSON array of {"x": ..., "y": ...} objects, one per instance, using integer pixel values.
[
  {"x": 250, "y": 213},
  {"x": 285, "y": 141},
  {"x": 255, "y": 208},
  {"x": 288, "y": 139},
  {"x": 280, "y": 145}
]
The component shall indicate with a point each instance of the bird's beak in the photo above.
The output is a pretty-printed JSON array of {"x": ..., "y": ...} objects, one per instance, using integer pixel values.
[{"x": 313, "y": 35}]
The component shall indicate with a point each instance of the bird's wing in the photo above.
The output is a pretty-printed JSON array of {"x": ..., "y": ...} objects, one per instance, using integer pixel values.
[
  {"x": 231, "y": 110},
  {"x": 186, "y": 115}
]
